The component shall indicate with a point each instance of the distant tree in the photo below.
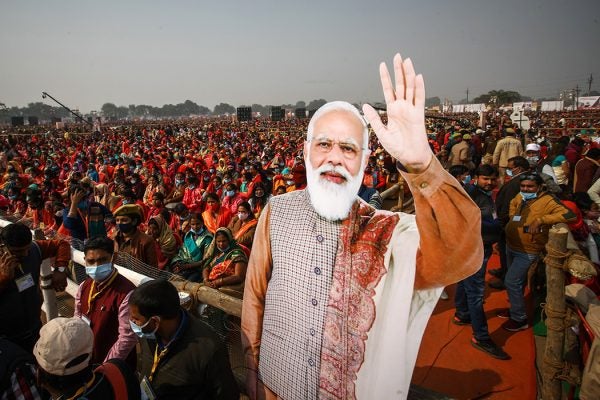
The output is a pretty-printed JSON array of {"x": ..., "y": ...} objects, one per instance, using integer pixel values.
[
  {"x": 224, "y": 108},
  {"x": 300, "y": 104},
  {"x": 109, "y": 110},
  {"x": 502, "y": 97},
  {"x": 263, "y": 110},
  {"x": 203, "y": 110},
  {"x": 432, "y": 101}
]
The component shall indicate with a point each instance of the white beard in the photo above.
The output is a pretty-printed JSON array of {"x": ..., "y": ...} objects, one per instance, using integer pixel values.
[{"x": 330, "y": 200}]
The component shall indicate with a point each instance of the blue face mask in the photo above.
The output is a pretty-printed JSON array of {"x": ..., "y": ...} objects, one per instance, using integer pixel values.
[
  {"x": 82, "y": 205},
  {"x": 138, "y": 330},
  {"x": 467, "y": 179},
  {"x": 230, "y": 193},
  {"x": 179, "y": 182},
  {"x": 100, "y": 272},
  {"x": 528, "y": 196},
  {"x": 509, "y": 172}
]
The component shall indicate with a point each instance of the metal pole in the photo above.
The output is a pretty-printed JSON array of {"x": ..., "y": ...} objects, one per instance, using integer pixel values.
[
  {"x": 45, "y": 94},
  {"x": 49, "y": 306}
]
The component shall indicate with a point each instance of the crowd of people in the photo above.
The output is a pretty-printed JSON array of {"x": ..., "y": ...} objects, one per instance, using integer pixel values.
[{"x": 187, "y": 196}]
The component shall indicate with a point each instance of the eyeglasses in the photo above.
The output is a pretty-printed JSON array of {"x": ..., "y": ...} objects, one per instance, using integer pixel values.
[{"x": 325, "y": 145}]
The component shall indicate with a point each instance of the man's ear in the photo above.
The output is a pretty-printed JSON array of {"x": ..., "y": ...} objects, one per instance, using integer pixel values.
[
  {"x": 305, "y": 153},
  {"x": 366, "y": 156}
]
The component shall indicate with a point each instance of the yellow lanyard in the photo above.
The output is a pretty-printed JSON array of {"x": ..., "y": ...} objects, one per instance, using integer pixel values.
[
  {"x": 157, "y": 357},
  {"x": 83, "y": 389},
  {"x": 92, "y": 296}
]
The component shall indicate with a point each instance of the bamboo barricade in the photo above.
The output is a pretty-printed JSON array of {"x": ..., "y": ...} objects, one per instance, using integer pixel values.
[
  {"x": 559, "y": 342},
  {"x": 216, "y": 298},
  {"x": 555, "y": 310}
]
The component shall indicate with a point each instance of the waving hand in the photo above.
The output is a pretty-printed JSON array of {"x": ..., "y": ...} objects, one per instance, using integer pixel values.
[{"x": 404, "y": 136}]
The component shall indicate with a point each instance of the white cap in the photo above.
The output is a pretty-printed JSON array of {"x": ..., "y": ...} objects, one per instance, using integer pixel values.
[
  {"x": 62, "y": 340},
  {"x": 532, "y": 147}
]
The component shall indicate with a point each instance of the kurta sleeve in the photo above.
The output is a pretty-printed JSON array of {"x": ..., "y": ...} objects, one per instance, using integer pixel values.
[
  {"x": 56, "y": 248},
  {"x": 449, "y": 224},
  {"x": 257, "y": 279}
]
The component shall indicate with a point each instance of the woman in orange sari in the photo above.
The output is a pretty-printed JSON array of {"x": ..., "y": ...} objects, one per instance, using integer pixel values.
[
  {"x": 215, "y": 216},
  {"x": 225, "y": 262},
  {"x": 243, "y": 225}
]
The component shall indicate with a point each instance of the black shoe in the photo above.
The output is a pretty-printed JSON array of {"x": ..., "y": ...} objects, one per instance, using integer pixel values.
[
  {"x": 497, "y": 284},
  {"x": 459, "y": 321},
  {"x": 515, "y": 326},
  {"x": 498, "y": 273},
  {"x": 491, "y": 348}
]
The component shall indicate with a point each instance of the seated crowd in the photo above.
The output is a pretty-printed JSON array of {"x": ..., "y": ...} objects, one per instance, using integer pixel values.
[{"x": 187, "y": 199}]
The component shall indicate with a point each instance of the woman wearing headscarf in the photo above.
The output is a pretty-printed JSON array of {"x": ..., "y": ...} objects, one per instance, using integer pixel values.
[
  {"x": 243, "y": 225},
  {"x": 215, "y": 216},
  {"x": 258, "y": 198},
  {"x": 160, "y": 231},
  {"x": 225, "y": 262}
]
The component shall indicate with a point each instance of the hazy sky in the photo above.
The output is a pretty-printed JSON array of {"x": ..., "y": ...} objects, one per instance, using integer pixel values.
[{"x": 86, "y": 53}]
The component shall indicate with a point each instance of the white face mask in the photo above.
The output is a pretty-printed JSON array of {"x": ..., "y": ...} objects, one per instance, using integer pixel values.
[{"x": 242, "y": 216}]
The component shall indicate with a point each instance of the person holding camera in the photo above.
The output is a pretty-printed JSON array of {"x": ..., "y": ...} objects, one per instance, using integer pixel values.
[
  {"x": 531, "y": 214},
  {"x": 20, "y": 275},
  {"x": 84, "y": 217}
]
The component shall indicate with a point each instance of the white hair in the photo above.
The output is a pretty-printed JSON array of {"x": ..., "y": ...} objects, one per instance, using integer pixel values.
[{"x": 338, "y": 106}]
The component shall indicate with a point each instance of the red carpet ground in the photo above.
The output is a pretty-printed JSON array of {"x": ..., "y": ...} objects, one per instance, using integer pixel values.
[{"x": 448, "y": 364}]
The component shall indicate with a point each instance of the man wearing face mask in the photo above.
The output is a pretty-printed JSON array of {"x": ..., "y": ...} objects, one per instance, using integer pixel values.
[
  {"x": 515, "y": 168},
  {"x": 132, "y": 240},
  {"x": 181, "y": 357},
  {"x": 532, "y": 153},
  {"x": 470, "y": 291},
  {"x": 102, "y": 301},
  {"x": 531, "y": 215}
]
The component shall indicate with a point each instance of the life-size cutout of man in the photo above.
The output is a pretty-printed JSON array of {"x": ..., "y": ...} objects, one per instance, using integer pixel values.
[{"x": 338, "y": 294}]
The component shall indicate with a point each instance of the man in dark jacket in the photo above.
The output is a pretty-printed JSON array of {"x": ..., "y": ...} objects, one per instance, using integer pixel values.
[
  {"x": 181, "y": 357},
  {"x": 516, "y": 166},
  {"x": 20, "y": 276},
  {"x": 470, "y": 291}
]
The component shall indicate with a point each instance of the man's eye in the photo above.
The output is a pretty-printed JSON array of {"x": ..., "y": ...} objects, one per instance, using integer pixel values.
[{"x": 347, "y": 148}]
